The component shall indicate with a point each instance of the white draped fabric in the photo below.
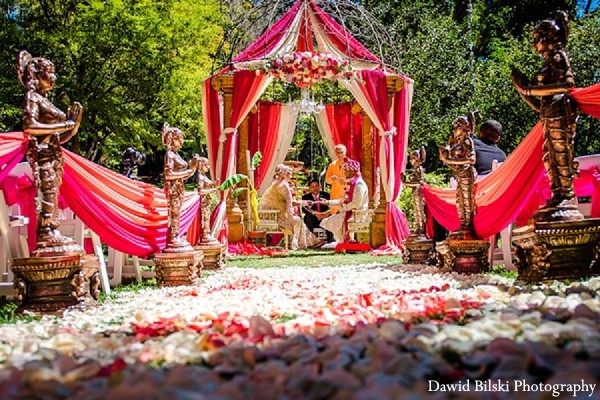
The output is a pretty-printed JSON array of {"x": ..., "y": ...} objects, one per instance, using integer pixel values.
[
  {"x": 287, "y": 125},
  {"x": 326, "y": 132},
  {"x": 228, "y": 146},
  {"x": 387, "y": 175}
]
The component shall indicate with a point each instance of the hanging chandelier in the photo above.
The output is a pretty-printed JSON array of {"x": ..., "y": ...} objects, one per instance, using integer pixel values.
[{"x": 307, "y": 103}]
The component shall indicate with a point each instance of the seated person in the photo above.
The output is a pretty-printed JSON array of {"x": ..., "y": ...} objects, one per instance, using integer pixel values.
[
  {"x": 281, "y": 196},
  {"x": 356, "y": 198},
  {"x": 486, "y": 150},
  {"x": 314, "y": 211}
]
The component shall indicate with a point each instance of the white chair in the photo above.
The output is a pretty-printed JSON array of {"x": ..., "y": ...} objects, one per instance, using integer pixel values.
[
  {"x": 73, "y": 227},
  {"x": 127, "y": 266},
  {"x": 359, "y": 222},
  {"x": 584, "y": 204},
  {"x": 13, "y": 243},
  {"x": 268, "y": 222},
  {"x": 503, "y": 253}
]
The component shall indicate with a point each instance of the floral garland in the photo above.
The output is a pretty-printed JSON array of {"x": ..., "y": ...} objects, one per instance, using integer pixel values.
[{"x": 305, "y": 68}]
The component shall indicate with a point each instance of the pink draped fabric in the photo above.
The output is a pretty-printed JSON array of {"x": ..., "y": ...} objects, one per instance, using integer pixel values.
[
  {"x": 392, "y": 148},
  {"x": 263, "y": 136},
  {"x": 21, "y": 190},
  {"x": 128, "y": 215},
  {"x": 346, "y": 128},
  {"x": 588, "y": 184},
  {"x": 588, "y": 99},
  {"x": 270, "y": 40},
  {"x": 340, "y": 38},
  {"x": 13, "y": 146},
  {"x": 211, "y": 110},
  {"x": 501, "y": 196},
  {"x": 222, "y": 143}
]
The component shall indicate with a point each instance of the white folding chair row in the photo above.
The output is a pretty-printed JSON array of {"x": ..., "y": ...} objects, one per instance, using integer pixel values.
[
  {"x": 125, "y": 266},
  {"x": 13, "y": 243},
  {"x": 74, "y": 227}
]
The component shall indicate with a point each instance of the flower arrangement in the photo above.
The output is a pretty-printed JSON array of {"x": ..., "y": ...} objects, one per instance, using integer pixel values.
[{"x": 305, "y": 68}]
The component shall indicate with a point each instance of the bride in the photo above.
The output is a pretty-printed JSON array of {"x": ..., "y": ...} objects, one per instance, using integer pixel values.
[{"x": 280, "y": 196}]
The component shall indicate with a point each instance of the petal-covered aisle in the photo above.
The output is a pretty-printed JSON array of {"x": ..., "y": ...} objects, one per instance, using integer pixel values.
[{"x": 296, "y": 332}]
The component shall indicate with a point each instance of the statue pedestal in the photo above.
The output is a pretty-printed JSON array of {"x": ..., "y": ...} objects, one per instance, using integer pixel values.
[
  {"x": 235, "y": 217},
  {"x": 557, "y": 250},
  {"x": 178, "y": 269},
  {"x": 468, "y": 256},
  {"x": 50, "y": 284},
  {"x": 214, "y": 255},
  {"x": 378, "y": 226},
  {"x": 417, "y": 250}
]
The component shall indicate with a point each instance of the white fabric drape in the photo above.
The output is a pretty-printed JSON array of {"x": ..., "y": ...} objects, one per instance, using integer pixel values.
[
  {"x": 232, "y": 130},
  {"x": 287, "y": 126},
  {"x": 326, "y": 132},
  {"x": 325, "y": 46},
  {"x": 387, "y": 174},
  {"x": 286, "y": 45}
]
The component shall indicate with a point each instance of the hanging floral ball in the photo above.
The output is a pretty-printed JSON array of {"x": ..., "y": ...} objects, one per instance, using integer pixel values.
[{"x": 304, "y": 68}]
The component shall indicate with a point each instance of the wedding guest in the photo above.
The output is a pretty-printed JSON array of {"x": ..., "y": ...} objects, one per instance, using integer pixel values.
[
  {"x": 314, "y": 210},
  {"x": 486, "y": 148}
]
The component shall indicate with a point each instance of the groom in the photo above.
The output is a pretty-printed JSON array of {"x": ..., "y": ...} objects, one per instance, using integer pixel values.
[{"x": 356, "y": 198}]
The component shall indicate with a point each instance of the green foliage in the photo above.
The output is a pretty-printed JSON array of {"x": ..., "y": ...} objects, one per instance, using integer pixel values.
[
  {"x": 233, "y": 180},
  {"x": 406, "y": 202},
  {"x": 8, "y": 314},
  {"x": 132, "y": 64},
  {"x": 463, "y": 64},
  {"x": 310, "y": 258}
]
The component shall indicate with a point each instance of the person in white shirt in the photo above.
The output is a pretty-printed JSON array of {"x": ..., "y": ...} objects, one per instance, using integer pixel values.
[{"x": 356, "y": 198}]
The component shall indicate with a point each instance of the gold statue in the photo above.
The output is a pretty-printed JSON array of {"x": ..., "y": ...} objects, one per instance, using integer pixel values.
[
  {"x": 548, "y": 95},
  {"x": 415, "y": 180},
  {"x": 205, "y": 187},
  {"x": 459, "y": 156},
  {"x": 48, "y": 128},
  {"x": 176, "y": 172}
]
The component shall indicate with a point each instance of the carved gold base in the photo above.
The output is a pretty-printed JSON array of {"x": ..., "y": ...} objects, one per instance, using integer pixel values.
[
  {"x": 464, "y": 256},
  {"x": 557, "y": 250},
  {"x": 235, "y": 221},
  {"x": 177, "y": 269},
  {"x": 51, "y": 245},
  {"x": 378, "y": 228},
  {"x": 52, "y": 284},
  {"x": 417, "y": 250},
  {"x": 214, "y": 255}
]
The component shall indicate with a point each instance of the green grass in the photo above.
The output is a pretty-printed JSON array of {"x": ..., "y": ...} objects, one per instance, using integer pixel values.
[
  {"x": 499, "y": 269},
  {"x": 309, "y": 258},
  {"x": 8, "y": 313},
  {"x": 130, "y": 287}
]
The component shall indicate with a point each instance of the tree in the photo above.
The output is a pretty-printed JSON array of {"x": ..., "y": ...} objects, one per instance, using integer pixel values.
[{"x": 132, "y": 64}]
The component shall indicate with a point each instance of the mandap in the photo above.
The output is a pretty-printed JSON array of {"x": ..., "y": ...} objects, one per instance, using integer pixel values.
[{"x": 304, "y": 46}]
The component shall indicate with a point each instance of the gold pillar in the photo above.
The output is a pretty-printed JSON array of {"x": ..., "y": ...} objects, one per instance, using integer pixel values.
[
  {"x": 242, "y": 165},
  {"x": 242, "y": 161},
  {"x": 367, "y": 165},
  {"x": 224, "y": 84},
  {"x": 394, "y": 84}
]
